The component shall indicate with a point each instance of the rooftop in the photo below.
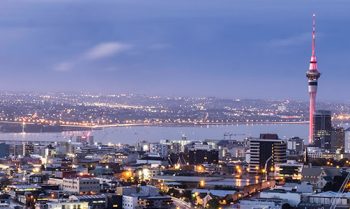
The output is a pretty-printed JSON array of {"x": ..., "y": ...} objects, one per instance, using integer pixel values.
[{"x": 219, "y": 193}]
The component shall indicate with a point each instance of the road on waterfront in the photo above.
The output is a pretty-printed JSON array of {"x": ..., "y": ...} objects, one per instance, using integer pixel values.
[{"x": 181, "y": 204}]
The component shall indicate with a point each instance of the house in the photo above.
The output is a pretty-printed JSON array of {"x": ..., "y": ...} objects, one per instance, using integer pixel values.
[
  {"x": 319, "y": 176},
  {"x": 315, "y": 176},
  {"x": 204, "y": 195}
]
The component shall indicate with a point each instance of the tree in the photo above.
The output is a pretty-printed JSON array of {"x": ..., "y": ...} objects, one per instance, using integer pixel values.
[
  {"x": 187, "y": 194},
  {"x": 173, "y": 192},
  {"x": 335, "y": 184},
  {"x": 319, "y": 162},
  {"x": 4, "y": 182},
  {"x": 286, "y": 206},
  {"x": 213, "y": 204}
]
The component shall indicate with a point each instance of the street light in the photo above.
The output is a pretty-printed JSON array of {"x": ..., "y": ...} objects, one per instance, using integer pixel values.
[
  {"x": 265, "y": 168},
  {"x": 202, "y": 183}
]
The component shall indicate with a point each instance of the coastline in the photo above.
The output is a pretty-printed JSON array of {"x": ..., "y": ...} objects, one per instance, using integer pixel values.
[{"x": 40, "y": 128}]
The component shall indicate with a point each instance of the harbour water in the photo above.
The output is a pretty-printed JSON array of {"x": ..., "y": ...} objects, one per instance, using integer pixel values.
[{"x": 132, "y": 134}]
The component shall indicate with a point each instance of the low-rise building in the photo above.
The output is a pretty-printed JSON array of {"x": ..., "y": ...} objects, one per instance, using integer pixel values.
[
  {"x": 293, "y": 198},
  {"x": 81, "y": 185},
  {"x": 162, "y": 202},
  {"x": 262, "y": 203},
  {"x": 61, "y": 205},
  {"x": 324, "y": 200},
  {"x": 153, "y": 160},
  {"x": 301, "y": 187},
  {"x": 94, "y": 201},
  {"x": 129, "y": 202},
  {"x": 290, "y": 169},
  {"x": 201, "y": 153}
]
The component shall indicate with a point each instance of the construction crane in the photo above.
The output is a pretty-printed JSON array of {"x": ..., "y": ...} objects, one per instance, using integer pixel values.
[
  {"x": 229, "y": 134},
  {"x": 341, "y": 190}
]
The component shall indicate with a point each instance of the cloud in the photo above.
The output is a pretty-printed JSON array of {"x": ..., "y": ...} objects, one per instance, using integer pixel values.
[
  {"x": 100, "y": 51},
  {"x": 290, "y": 41},
  {"x": 64, "y": 66},
  {"x": 106, "y": 50}
]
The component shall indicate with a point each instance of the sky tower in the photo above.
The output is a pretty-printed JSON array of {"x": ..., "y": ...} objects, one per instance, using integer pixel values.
[{"x": 312, "y": 75}]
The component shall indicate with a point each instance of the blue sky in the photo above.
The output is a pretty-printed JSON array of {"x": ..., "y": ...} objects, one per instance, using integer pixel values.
[{"x": 240, "y": 48}]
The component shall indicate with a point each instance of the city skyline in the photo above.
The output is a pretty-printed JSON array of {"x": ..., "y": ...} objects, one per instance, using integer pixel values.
[
  {"x": 61, "y": 46},
  {"x": 131, "y": 104}
]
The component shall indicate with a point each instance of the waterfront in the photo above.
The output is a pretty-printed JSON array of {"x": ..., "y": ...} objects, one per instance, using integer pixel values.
[{"x": 133, "y": 134}]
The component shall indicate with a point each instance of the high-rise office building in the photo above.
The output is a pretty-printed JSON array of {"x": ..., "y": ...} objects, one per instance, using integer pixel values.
[
  {"x": 202, "y": 153},
  {"x": 347, "y": 141},
  {"x": 266, "y": 152},
  {"x": 4, "y": 150},
  {"x": 337, "y": 139},
  {"x": 295, "y": 146},
  {"x": 161, "y": 149},
  {"x": 322, "y": 129}
]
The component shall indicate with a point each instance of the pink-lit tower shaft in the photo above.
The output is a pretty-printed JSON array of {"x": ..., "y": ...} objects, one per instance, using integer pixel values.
[{"x": 312, "y": 74}]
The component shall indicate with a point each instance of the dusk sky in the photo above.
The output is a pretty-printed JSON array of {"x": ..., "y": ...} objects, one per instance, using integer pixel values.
[{"x": 228, "y": 48}]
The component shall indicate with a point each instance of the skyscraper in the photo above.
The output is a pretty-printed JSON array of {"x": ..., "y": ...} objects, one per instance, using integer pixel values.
[
  {"x": 312, "y": 75},
  {"x": 347, "y": 141},
  {"x": 322, "y": 129},
  {"x": 338, "y": 139},
  {"x": 266, "y": 152}
]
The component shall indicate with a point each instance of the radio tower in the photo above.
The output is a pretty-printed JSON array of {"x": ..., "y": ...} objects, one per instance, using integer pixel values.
[{"x": 312, "y": 75}]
